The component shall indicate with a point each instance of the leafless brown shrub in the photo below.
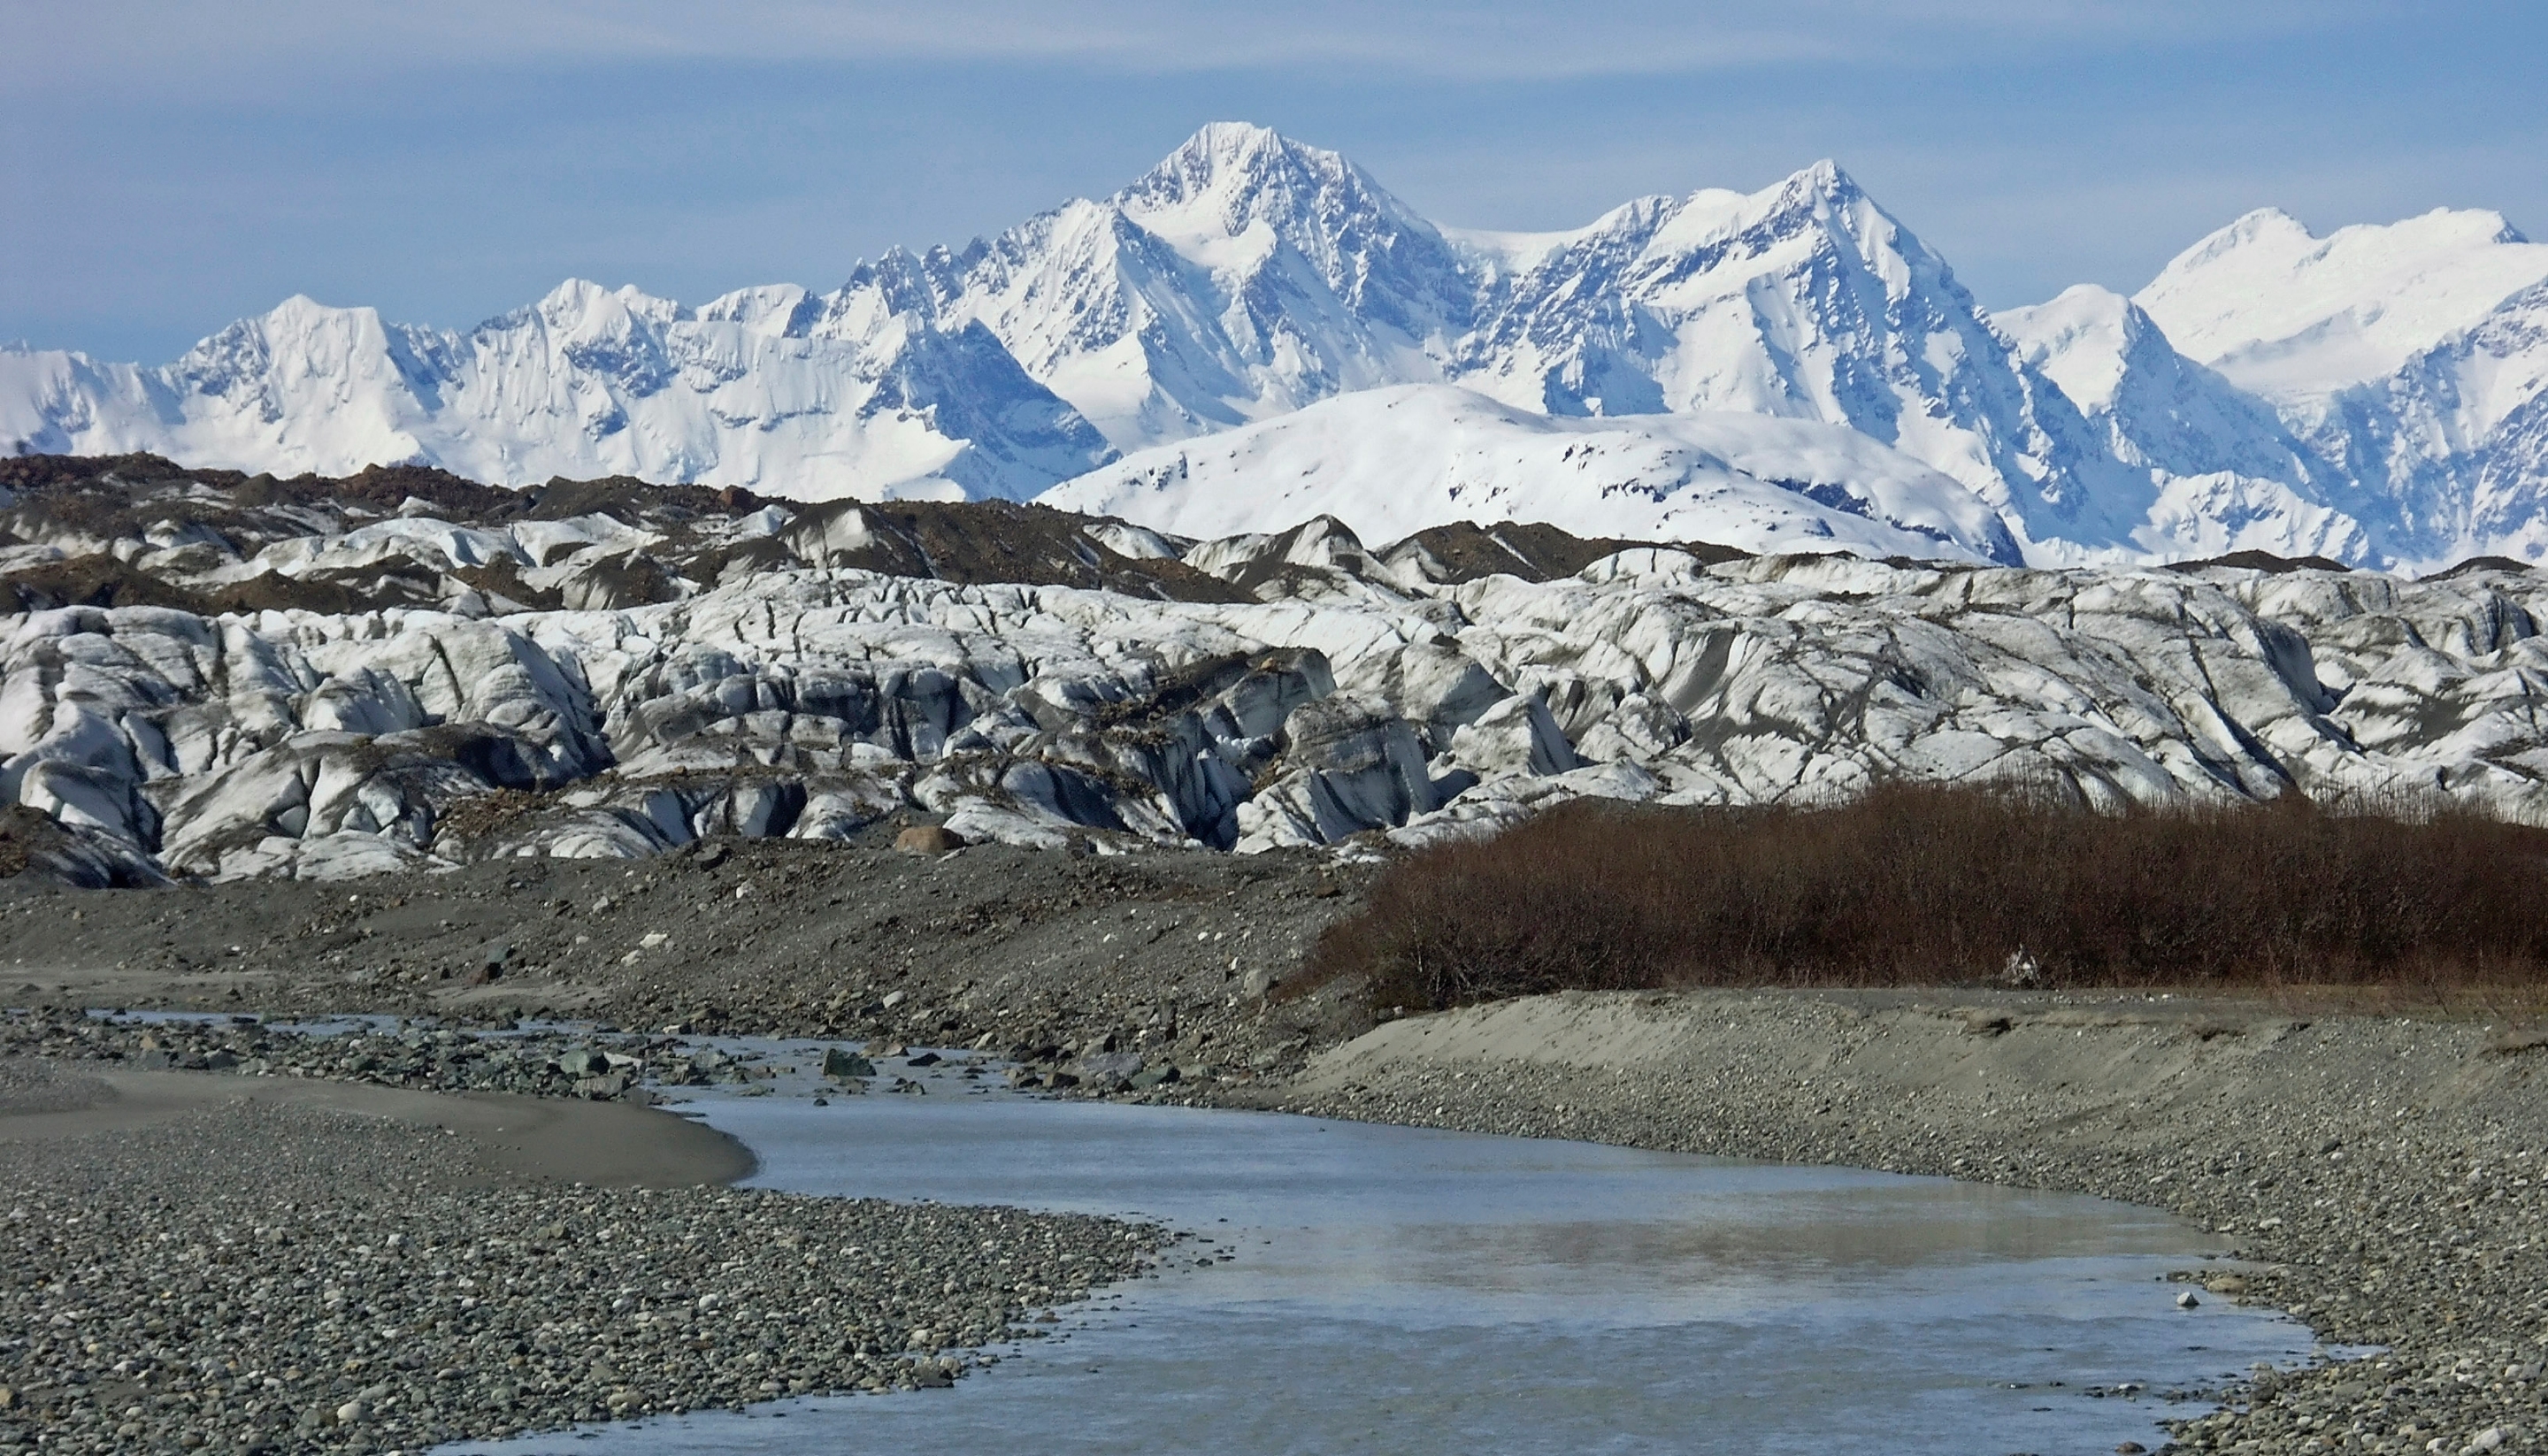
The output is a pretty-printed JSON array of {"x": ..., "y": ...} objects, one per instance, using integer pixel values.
[{"x": 1916, "y": 884}]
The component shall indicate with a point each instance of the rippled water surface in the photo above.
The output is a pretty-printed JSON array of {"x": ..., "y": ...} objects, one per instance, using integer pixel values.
[{"x": 1397, "y": 1290}]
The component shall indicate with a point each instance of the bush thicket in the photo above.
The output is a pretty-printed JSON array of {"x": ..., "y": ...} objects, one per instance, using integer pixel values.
[{"x": 1925, "y": 884}]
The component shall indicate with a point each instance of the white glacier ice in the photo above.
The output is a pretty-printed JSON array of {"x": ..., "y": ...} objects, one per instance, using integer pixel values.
[{"x": 690, "y": 673}]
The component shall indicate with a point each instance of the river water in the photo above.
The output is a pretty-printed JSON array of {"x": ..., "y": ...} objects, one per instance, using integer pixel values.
[{"x": 1406, "y": 1291}]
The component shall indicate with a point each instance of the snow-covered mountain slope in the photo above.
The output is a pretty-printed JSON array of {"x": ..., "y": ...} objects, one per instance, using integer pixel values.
[
  {"x": 1245, "y": 275},
  {"x": 2234, "y": 479},
  {"x": 2114, "y": 362},
  {"x": 1250, "y": 275},
  {"x": 2372, "y": 395},
  {"x": 584, "y": 383},
  {"x": 2291, "y": 316},
  {"x": 2454, "y": 444},
  {"x": 1804, "y": 300},
  {"x": 1389, "y": 463}
]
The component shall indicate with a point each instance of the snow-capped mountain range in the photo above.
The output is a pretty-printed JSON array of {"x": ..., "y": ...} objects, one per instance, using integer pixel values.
[{"x": 2375, "y": 396}]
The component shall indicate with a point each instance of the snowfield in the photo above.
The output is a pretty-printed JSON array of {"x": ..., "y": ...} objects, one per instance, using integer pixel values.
[{"x": 1388, "y": 463}]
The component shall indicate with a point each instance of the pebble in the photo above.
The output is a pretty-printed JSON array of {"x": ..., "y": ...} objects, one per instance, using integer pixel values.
[{"x": 262, "y": 1278}]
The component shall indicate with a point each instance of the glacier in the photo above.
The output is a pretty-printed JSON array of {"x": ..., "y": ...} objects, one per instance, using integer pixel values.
[{"x": 217, "y": 675}]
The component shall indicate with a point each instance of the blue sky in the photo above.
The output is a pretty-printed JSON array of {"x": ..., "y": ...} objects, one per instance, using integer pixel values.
[{"x": 170, "y": 167}]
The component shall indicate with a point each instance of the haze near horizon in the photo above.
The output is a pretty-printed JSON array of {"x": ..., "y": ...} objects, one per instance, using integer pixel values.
[{"x": 187, "y": 172}]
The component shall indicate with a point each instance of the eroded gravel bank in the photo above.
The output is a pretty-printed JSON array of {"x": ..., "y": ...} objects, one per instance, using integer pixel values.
[
  {"x": 2384, "y": 1178},
  {"x": 1039, "y": 956},
  {"x": 258, "y": 1277},
  {"x": 586, "y": 1063}
]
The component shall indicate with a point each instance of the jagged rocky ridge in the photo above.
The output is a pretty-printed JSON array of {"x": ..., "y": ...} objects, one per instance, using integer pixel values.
[
  {"x": 2373, "y": 396},
  {"x": 218, "y": 674}
]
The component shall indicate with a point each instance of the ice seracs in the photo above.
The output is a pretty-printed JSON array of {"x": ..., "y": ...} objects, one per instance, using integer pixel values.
[{"x": 707, "y": 669}]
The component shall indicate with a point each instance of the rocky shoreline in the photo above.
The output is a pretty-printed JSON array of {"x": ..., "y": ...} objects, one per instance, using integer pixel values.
[
  {"x": 596, "y": 1063},
  {"x": 2383, "y": 1179},
  {"x": 251, "y": 1276}
]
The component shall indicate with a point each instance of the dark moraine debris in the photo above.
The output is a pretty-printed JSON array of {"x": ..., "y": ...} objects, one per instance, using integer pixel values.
[
  {"x": 1531, "y": 550},
  {"x": 2262, "y": 561}
]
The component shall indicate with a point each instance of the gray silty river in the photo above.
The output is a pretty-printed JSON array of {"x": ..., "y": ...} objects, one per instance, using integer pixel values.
[{"x": 1406, "y": 1291}]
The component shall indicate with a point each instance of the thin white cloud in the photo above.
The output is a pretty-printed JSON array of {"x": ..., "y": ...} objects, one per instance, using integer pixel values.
[{"x": 103, "y": 42}]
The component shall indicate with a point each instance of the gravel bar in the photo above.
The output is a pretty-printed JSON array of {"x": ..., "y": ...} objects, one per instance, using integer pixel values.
[{"x": 261, "y": 1278}]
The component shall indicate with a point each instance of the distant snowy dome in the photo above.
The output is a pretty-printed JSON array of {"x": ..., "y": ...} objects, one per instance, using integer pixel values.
[{"x": 2286, "y": 313}]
